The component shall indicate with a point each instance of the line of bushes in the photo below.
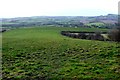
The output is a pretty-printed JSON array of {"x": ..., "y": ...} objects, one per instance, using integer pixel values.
[
  {"x": 114, "y": 35},
  {"x": 84, "y": 35}
]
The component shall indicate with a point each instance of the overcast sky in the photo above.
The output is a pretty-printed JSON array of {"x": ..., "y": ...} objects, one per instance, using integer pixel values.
[{"x": 25, "y": 8}]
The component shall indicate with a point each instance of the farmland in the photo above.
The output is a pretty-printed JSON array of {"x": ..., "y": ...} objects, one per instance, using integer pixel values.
[
  {"x": 43, "y": 53},
  {"x": 107, "y": 21}
]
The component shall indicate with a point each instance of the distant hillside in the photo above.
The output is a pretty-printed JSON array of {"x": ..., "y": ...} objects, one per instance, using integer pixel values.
[{"x": 106, "y": 21}]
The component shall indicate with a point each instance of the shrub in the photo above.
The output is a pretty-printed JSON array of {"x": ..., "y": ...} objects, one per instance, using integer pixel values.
[{"x": 114, "y": 35}]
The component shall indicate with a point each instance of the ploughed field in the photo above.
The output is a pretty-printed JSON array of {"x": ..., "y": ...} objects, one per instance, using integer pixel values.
[{"x": 43, "y": 53}]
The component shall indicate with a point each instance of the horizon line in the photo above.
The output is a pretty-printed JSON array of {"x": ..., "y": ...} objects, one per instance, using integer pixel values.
[{"x": 58, "y": 16}]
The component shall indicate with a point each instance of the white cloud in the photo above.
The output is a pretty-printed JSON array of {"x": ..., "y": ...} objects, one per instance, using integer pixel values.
[{"x": 18, "y": 8}]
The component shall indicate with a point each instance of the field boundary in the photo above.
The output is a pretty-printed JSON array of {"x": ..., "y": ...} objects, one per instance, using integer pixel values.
[{"x": 86, "y": 35}]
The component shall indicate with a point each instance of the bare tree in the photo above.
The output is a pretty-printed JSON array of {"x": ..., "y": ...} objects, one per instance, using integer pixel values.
[{"x": 114, "y": 35}]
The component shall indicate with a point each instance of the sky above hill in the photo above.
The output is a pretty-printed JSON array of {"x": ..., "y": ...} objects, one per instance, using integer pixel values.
[{"x": 26, "y": 8}]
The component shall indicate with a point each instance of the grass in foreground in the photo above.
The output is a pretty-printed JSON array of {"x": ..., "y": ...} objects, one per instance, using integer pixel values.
[{"x": 42, "y": 53}]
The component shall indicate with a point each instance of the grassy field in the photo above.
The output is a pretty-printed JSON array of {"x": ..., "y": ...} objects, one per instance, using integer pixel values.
[
  {"x": 97, "y": 24},
  {"x": 43, "y": 53}
]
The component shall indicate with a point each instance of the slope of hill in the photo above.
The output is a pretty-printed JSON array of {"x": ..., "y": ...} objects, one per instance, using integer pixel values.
[{"x": 43, "y": 53}]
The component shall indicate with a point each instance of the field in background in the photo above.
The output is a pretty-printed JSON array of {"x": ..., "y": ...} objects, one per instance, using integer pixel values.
[{"x": 43, "y": 53}]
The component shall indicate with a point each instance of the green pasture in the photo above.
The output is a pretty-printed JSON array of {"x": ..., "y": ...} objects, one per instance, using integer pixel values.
[{"x": 43, "y": 53}]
